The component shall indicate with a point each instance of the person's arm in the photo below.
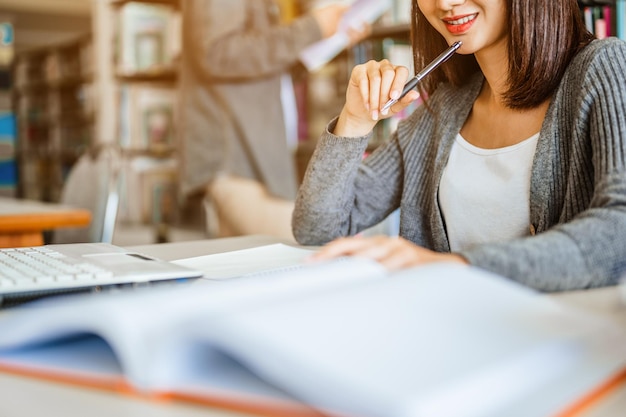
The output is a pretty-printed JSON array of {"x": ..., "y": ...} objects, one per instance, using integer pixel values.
[
  {"x": 234, "y": 40},
  {"x": 340, "y": 195},
  {"x": 587, "y": 251}
]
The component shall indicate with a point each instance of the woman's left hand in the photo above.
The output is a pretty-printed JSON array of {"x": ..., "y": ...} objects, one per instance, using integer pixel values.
[{"x": 392, "y": 252}]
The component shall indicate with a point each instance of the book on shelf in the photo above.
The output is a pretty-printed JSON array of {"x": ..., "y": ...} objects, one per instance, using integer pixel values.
[
  {"x": 8, "y": 167},
  {"x": 52, "y": 70},
  {"x": 147, "y": 116},
  {"x": 7, "y": 134},
  {"x": 336, "y": 338},
  {"x": 620, "y": 18},
  {"x": 148, "y": 190},
  {"x": 158, "y": 189},
  {"x": 7, "y": 39},
  {"x": 398, "y": 14},
  {"x": 601, "y": 19},
  {"x": 148, "y": 37}
]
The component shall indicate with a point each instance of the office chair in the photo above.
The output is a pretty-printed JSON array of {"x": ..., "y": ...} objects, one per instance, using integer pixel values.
[{"x": 93, "y": 184}]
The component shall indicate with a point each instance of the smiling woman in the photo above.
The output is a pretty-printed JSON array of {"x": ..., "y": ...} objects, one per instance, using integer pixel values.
[{"x": 515, "y": 164}]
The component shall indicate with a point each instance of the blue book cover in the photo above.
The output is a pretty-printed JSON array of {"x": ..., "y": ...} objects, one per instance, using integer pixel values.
[
  {"x": 7, "y": 126},
  {"x": 8, "y": 175},
  {"x": 620, "y": 12}
]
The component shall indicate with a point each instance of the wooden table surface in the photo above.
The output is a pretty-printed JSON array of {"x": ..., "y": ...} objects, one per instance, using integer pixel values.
[{"x": 22, "y": 222}]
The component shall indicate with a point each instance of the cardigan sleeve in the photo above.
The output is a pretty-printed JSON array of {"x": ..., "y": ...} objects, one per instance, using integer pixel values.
[
  {"x": 340, "y": 195},
  {"x": 236, "y": 40}
]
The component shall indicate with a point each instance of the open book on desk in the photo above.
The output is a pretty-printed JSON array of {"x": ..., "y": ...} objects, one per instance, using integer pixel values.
[{"x": 342, "y": 338}]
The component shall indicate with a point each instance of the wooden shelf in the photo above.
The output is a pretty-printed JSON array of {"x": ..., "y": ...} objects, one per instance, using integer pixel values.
[
  {"x": 173, "y": 3},
  {"x": 154, "y": 152},
  {"x": 165, "y": 74},
  {"x": 401, "y": 31}
]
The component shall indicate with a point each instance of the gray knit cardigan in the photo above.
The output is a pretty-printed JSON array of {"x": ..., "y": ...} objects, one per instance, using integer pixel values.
[{"x": 577, "y": 230}]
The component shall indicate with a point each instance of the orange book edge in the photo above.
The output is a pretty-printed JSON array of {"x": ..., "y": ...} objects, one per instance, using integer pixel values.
[
  {"x": 269, "y": 408},
  {"x": 594, "y": 396},
  {"x": 119, "y": 385},
  {"x": 259, "y": 407}
]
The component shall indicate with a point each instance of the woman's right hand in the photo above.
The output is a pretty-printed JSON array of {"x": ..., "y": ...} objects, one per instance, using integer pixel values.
[{"x": 371, "y": 85}]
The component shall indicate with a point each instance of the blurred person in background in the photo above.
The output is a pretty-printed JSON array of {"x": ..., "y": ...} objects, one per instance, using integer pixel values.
[{"x": 238, "y": 119}]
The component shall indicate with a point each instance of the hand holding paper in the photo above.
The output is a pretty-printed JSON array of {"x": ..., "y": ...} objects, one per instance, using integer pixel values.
[{"x": 361, "y": 12}]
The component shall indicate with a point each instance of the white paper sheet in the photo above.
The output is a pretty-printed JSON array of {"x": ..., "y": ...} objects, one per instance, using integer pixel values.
[{"x": 247, "y": 261}]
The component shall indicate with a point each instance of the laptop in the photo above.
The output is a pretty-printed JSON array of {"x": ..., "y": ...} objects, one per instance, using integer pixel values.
[{"x": 34, "y": 272}]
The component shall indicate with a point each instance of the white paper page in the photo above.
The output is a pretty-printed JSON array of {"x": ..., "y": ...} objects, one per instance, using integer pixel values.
[
  {"x": 247, "y": 261},
  {"x": 129, "y": 321},
  {"x": 205, "y": 372},
  {"x": 211, "y": 374},
  {"x": 87, "y": 356},
  {"x": 361, "y": 11},
  {"x": 422, "y": 342}
]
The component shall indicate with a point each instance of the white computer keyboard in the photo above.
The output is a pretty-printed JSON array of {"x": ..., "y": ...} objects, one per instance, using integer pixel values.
[{"x": 27, "y": 266}]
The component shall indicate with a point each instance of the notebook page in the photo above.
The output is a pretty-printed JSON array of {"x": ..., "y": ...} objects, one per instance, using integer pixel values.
[{"x": 238, "y": 263}]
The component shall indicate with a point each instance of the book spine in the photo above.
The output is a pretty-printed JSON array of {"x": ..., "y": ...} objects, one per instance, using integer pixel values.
[
  {"x": 588, "y": 15},
  {"x": 608, "y": 21},
  {"x": 599, "y": 24},
  {"x": 620, "y": 11}
]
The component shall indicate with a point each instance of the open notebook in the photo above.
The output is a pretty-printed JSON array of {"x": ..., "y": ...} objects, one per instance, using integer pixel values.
[
  {"x": 33, "y": 272},
  {"x": 343, "y": 338}
]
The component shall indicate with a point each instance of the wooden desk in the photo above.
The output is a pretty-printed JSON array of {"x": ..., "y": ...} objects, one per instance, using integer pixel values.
[
  {"x": 22, "y": 222},
  {"x": 53, "y": 399}
]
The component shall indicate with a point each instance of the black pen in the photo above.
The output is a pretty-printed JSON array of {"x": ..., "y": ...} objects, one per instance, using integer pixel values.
[{"x": 445, "y": 55}]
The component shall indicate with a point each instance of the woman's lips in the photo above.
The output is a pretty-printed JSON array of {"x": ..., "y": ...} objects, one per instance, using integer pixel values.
[{"x": 459, "y": 24}]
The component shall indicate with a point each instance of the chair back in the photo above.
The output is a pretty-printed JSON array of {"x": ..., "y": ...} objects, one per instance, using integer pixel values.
[{"x": 93, "y": 184}]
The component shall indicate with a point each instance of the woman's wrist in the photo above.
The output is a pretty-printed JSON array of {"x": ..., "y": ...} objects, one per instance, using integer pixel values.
[{"x": 351, "y": 127}]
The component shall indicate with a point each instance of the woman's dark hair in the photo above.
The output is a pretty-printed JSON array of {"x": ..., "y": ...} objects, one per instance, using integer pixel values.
[{"x": 545, "y": 35}]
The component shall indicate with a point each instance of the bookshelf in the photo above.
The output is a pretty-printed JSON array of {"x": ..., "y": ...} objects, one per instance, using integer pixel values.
[
  {"x": 139, "y": 45},
  {"x": 66, "y": 97},
  {"x": 53, "y": 103},
  {"x": 8, "y": 171},
  {"x": 604, "y": 18}
]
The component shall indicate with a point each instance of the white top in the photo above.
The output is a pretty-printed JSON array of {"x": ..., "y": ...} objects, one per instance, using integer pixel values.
[{"x": 484, "y": 193}]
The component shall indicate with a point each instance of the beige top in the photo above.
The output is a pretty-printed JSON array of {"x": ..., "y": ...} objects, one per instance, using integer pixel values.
[{"x": 231, "y": 118}]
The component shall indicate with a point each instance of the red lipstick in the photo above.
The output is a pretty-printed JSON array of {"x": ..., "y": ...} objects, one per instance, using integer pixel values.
[{"x": 459, "y": 24}]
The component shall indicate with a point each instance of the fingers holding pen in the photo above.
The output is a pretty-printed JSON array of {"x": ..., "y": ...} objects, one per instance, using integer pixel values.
[
  {"x": 384, "y": 81},
  {"x": 380, "y": 76},
  {"x": 371, "y": 85},
  {"x": 395, "y": 93}
]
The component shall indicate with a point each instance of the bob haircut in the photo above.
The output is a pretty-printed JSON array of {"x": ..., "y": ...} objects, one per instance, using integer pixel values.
[{"x": 544, "y": 37}]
